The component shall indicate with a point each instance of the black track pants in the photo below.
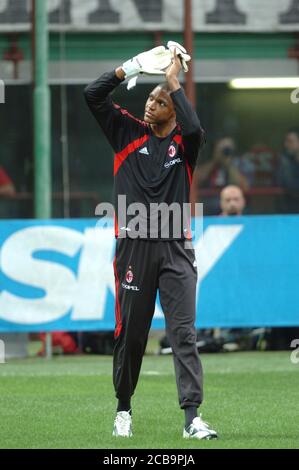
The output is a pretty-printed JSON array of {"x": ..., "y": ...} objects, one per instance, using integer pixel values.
[{"x": 140, "y": 268}]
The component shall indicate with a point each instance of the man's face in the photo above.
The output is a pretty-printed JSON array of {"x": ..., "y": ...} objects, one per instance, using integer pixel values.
[
  {"x": 291, "y": 143},
  {"x": 232, "y": 201},
  {"x": 159, "y": 107}
]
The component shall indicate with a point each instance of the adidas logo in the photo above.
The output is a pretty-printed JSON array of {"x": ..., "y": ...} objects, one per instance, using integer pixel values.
[{"x": 144, "y": 151}]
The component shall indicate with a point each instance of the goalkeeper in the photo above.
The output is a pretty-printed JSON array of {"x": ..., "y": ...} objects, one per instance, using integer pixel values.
[{"x": 153, "y": 163}]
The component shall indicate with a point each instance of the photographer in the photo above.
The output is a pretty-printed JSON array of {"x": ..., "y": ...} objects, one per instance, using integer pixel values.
[{"x": 223, "y": 169}]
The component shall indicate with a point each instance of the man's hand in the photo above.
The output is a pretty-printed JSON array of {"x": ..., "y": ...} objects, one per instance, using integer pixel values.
[
  {"x": 154, "y": 62},
  {"x": 173, "y": 71},
  {"x": 181, "y": 52},
  {"x": 151, "y": 62}
]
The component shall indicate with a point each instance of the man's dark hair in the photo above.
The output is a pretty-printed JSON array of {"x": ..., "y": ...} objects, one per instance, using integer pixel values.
[
  {"x": 293, "y": 130},
  {"x": 164, "y": 86}
]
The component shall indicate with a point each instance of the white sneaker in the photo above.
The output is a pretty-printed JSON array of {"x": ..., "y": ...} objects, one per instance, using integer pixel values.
[
  {"x": 122, "y": 424},
  {"x": 199, "y": 429}
]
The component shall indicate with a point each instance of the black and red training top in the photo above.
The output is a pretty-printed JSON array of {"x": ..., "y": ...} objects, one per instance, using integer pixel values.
[{"x": 147, "y": 169}]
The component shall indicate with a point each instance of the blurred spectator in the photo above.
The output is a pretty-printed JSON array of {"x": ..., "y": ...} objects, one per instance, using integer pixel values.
[
  {"x": 7, "y": 188},
  {"x": 288, "y": 171},
  {"x": 232, "y": 201},
  {"x": 260, "y": 163},
  {"x": 224, "y": 168}
]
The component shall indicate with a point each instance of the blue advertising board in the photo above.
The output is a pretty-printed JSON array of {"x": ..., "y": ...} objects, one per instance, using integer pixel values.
[{"x": 58, "y": 274}]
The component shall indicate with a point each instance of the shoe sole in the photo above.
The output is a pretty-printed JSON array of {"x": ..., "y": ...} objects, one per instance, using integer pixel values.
[
  {"x": 208, "y": 437},
  {"x": 211, "y": 436},
  {"x": 120, "y": 435}
]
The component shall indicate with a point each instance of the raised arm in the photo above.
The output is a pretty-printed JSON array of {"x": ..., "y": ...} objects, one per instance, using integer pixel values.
[
  {"x": 192, "y": 132},
  {"x": 114, "y": 121},
  {"x": 108, "y": 114}
]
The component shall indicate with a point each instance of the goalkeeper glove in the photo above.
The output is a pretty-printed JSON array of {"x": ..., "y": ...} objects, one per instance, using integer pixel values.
[
  {"x": 151, "y": 62},
  {"x": 181, "y": 52}
]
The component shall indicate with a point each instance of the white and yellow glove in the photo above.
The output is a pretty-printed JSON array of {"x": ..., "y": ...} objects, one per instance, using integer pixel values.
[{"x": 151, "y": 62}]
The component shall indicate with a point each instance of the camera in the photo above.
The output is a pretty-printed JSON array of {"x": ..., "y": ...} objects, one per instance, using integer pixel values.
[{"x": 228, "y": 151}]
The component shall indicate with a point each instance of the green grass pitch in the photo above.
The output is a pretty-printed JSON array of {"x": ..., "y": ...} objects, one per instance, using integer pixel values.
[{"x": 251, "y": 399}]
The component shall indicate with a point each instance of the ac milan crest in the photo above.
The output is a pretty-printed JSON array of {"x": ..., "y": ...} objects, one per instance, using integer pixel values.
[
  {"x": 171, "y": 151},
  {"x": 129, "y": 275}
]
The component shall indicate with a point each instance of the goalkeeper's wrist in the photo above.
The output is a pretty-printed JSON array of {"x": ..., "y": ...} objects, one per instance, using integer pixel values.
[
  {"x": 119, "y": 72},
  {"x": 173, "y": 83},
  {"x": 131, "y": 68}
]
